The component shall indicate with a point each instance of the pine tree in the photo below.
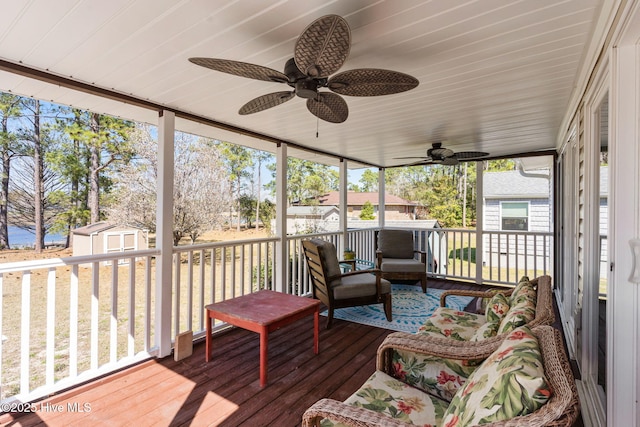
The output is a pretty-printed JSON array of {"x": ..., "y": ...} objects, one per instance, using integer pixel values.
[{"x": 367, "y": 211}]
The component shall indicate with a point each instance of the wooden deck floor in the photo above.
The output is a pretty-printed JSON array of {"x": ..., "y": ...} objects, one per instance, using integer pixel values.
[{"x": 225, "y": 391}]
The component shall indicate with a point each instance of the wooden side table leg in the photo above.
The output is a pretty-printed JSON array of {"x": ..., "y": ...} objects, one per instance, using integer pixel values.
[
  {"x": 264, "y": 339},
  {"x": 316, "y": 331},
  {"x": 207, "y": 346}
]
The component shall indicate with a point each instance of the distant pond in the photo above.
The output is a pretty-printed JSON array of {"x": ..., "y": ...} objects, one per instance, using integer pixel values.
[{"x": 19, "y": 237}]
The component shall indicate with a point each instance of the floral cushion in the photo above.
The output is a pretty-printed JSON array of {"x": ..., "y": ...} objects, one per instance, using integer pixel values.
[
  {"x": 497, "y": 308},
  {"x": 519, "y": 314},
  {"x": 524, "y": 287},
  {"x": 385, "y": 394},
  {"x": 451, "y": 323},
  {"x": 488, "y": 330},
  {"x": 508, "y": 384},
  {"x": 435, "y": 375}
]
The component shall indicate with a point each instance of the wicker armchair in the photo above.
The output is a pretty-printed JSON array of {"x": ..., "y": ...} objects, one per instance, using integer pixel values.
[
  {"x": 544, "y": 300},
  {"x": 561, "y": 409},
  {"x": 443, "y": 320}
]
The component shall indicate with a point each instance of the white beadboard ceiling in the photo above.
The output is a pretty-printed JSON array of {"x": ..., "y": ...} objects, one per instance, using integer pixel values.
[{"x": 495, "y": 75}]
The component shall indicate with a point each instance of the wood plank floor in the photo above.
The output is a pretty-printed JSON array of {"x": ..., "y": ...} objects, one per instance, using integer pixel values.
[{"x": 225, "y": 391}]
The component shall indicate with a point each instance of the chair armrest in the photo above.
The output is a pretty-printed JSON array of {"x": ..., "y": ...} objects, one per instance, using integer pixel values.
[
  {"x": 544, "y": 302},
  {"x": 374, "y": 271},
  {"x": 468, "y": 293},
  {"x": 429, "y": 345},
  {"x": 346, "y": 414},
  {"x": 378, "y": 258},
  {"x": 351, "y": 262},
  {"x": 423, "y": 256}
]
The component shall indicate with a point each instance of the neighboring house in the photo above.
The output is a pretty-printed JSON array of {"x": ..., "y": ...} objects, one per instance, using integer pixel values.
[
  {"x": 312, "y": 219},
  {"x": 103, "y": 238},
  {"x": 517, "y": 201},
  {"x": 522, "y": 201},
  {"x": 396, "y": 208}
]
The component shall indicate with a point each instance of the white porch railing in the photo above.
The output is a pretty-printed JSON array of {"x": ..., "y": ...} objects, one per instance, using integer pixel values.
[
  {"x": 509, "y": 255},
  {"x": 213, "y": 272},
  {"x": 67, "y": 320}
]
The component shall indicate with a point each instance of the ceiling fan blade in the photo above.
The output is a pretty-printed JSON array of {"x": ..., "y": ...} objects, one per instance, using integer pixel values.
[
  {"x": 470, "y": 154},
  {"x": 425, "y": 162},
  {"x": 242, "y": 69},
  {"x": 371, "y": 82},
  {"x": 265, "y": 101},
  {"x": 329, "y": 107},
  {"x": 413, "y": 157},
  {"x": 323, "y": 46}
]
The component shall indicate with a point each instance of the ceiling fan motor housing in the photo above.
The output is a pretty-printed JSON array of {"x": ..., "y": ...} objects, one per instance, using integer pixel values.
[{"x": 307, "y": 88}]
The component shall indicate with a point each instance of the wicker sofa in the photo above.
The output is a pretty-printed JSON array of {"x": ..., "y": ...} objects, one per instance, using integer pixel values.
[
  {"x": 524, "y": 380},
  {"x": 530, "y": 303}
]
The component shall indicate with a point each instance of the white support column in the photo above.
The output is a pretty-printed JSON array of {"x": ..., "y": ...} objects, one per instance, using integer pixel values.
[
  {"x": 164, "y": 232},
  {"x": 479, "y": 220},
  {"x": 381, "y": 200},
  {"x": 280, "y": 269},
  {"x": 343, "y": 206}
]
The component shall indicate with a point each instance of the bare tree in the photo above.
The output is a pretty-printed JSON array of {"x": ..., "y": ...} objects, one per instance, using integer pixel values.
[
  {"x": 200, "y": 186},
  {"x": 24, "y": 204}
]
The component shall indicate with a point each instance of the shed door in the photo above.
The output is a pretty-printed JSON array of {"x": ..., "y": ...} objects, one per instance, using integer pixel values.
[{"x": 122, "y": 241}]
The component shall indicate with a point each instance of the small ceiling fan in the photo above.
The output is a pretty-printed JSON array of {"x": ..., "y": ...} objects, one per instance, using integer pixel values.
[
  {"x": 445, "y": 156},
  {"x": 320, "y": 51}
]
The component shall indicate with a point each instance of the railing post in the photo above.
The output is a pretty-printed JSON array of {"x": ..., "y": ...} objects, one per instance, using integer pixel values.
[
  {"x": 479, "y": 221},
  {"x": 164, "y": 234},
  {"x": 280, "y": 269},
  {"x": 381, "y": 201},
  {"x": 344, "y": 239},
  {"x": 25, "y": 334}
]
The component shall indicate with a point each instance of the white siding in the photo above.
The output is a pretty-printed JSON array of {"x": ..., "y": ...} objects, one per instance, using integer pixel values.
[{"x": 539, "y": 214}]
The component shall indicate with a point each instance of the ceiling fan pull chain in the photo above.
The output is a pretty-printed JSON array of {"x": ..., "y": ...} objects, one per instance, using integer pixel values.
[{"x": 317, "y": 118}]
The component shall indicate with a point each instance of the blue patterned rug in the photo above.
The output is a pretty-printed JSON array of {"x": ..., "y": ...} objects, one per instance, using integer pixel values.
[{"x": 410, "y": 308}]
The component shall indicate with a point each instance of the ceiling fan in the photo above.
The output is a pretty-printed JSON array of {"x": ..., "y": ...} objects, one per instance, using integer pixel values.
[
  {"x": 320, "y": 51},
  {"x": 445, "y": 156}
]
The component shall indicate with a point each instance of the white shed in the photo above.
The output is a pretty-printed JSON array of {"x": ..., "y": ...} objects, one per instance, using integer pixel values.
[{"x": 103, "y": 238}]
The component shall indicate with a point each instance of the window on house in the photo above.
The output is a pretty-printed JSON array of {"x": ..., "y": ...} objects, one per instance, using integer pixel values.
[{"x": 515, "y": 216}]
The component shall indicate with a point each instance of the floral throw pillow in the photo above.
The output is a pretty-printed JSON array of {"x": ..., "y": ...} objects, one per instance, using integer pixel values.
[
  {"x": 393, "y": 398},
  {"x": 488, "y": 330},
  {"x": 524, "y": 287},
  {"x": 497, "y": 308},
  {"x": 519, "y": 314},
  {"x": 510, "y": 383},
  {"x": 436, "y": 375}
]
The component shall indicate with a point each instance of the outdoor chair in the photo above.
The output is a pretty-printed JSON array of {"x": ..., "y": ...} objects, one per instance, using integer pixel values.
[
  {"x": 396, "y": 257},
  {"x": 524, "y": 380},
  {"x": 530, "y": 304},
  {"x": 336, "y": 289}
]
